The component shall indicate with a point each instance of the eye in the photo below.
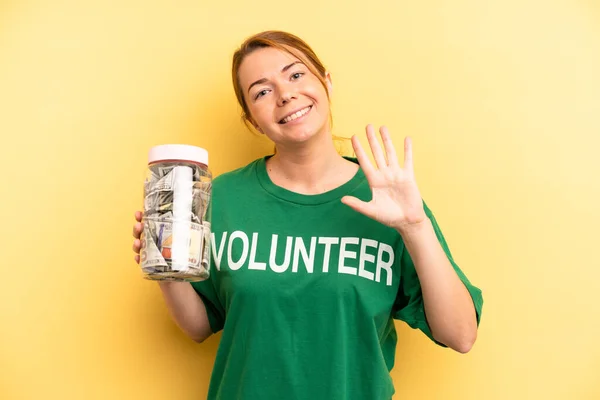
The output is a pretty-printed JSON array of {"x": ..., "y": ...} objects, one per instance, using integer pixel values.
[
  {"x": 297, "y": 75},
  {"x": 260, "y": 94}
]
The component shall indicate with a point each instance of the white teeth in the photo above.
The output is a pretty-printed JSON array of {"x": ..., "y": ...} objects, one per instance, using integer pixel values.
[{"x": 296, "y": 115}]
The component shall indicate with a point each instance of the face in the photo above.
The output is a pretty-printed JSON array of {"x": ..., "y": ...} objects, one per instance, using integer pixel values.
[{"x": 286, "y": 101}]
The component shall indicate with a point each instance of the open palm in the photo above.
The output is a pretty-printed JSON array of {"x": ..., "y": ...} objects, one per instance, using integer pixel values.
[{"x": 396, "y": 201}]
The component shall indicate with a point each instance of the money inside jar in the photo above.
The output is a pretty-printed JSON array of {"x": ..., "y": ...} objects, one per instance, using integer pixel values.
[{"x": 176, "y": 235}]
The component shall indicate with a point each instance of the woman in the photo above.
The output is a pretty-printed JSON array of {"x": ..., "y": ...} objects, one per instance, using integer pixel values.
[{"x": 314, "y": 254}]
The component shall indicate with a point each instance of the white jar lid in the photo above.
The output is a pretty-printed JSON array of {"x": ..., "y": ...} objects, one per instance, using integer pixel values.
[{"x": 179, "y": 152}]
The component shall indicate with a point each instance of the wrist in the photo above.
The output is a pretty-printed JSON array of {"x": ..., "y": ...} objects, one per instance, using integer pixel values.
[
  {"x": 170, "y": 284},
  {"x": 414, "y": 229}
]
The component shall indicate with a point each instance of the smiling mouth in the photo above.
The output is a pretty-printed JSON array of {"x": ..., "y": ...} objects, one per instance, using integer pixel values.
[{"x": 295, "y": 115}]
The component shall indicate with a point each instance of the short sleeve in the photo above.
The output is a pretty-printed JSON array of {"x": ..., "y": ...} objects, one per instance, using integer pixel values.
[
  {"x": 207, "y": 290},
  {"x": 409, "y": 306},
  {"x": 214, "y": 309}
]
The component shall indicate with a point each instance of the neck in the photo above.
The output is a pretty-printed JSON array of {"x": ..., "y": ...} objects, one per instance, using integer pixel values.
[{"x": 313, "y": 167}]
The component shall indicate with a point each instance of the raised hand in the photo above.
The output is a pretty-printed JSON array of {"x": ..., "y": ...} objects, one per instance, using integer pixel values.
[{"x": 396, "y": 200}]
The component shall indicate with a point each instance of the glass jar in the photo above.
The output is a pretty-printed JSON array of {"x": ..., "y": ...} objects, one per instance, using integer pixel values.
[{"x": 175, "y": 241}]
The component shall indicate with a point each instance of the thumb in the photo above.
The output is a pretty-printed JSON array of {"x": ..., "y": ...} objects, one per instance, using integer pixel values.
[{"x": 357, "y": 205}]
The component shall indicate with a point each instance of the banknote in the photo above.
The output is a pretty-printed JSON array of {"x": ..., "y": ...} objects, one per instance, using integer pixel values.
[
  {"x": 176, "y": 234},
  {"x": 173, "y": 245}
]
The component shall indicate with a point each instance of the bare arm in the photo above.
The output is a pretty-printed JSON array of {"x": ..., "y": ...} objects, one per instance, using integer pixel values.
[
  {"x": 185, "y": 305},
  {"x": 397, "y": 203},
  {"x": 187, "y": 309},
  {"x": 449, "y": 308}
]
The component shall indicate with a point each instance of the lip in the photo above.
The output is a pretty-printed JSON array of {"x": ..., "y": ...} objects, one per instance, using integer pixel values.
[{"x": 295, "y": 111}]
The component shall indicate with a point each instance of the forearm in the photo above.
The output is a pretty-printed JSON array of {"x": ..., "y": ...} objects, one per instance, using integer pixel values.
[
  {"x": 187, "y": 309},
  {"x": 449, "y": 309}
]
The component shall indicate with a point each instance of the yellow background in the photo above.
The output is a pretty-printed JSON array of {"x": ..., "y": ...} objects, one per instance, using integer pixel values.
[{"x": 501, "y": 99}]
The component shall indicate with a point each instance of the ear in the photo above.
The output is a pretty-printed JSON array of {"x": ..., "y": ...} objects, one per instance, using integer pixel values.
[
  {"x": 328, "y": 82},
  {"x": 255, "y": 125},
  {"x": 250, "y": 121}
]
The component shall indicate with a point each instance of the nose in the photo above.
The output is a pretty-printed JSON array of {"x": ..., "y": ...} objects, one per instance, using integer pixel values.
[{"x": 286, "y": 95}]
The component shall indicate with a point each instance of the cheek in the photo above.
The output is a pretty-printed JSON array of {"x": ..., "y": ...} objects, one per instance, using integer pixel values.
[
  {"x": 257, "y": 112},
  {"x": 320, "y": 98},
  {"x": 264, "y": 116},
  {"x": 318, "y": 93}
]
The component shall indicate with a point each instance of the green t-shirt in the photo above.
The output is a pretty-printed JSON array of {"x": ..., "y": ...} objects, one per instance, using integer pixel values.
[{"x": 305, "y": 290}]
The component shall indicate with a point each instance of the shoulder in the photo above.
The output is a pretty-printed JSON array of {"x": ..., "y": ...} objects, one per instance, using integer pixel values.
[{"x": 236, "y": 177}]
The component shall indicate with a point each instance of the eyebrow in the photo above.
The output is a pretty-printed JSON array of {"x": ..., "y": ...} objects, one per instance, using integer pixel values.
[{"x": 263, "y": 80}]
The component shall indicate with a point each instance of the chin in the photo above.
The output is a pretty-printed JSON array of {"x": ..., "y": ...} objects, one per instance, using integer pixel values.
[{"x": 301, "y": 133}]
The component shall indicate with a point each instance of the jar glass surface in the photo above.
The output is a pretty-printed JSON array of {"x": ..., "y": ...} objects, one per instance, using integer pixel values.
[{"x": 175, "y": 242}]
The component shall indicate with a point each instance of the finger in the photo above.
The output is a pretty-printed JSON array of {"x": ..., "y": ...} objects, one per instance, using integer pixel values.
[
  {"x": 375, "y": 147},
  {"x": 136, "y": 245},
  {"x": 137, "y": 230},
  {"x": 358, "y": 205},
  {"x": 408, "y": 156},
  {"x": 138, "y": 216},
  {"x": 363, "y": 160},
  {"x": 390, "y": 150},
  {"x": 137, "y": 258}
]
